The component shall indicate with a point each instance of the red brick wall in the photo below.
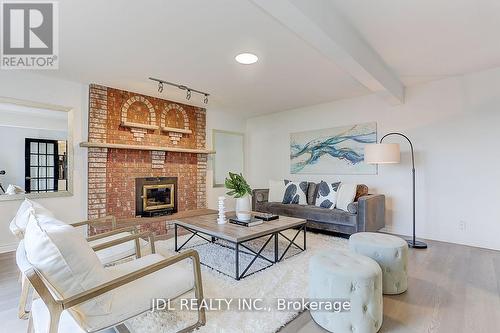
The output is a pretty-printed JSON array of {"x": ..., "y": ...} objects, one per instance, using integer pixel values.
[
  {"x": 112, "y": 172},
  {"x": 124, "y": 166}
]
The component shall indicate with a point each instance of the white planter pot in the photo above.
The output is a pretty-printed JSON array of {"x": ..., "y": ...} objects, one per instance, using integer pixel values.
[{"x": 243, "y": 208}]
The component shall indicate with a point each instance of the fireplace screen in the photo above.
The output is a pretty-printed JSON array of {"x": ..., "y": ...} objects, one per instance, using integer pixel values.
[{"x": 157, "y": 197}]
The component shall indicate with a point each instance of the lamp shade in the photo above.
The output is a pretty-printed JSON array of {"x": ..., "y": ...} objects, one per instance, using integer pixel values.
[{"x": 381, "y": 153}]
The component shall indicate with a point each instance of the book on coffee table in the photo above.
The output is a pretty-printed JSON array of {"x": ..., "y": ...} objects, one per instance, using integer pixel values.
[
  {"x": 266, "y": 216},
  {"x": 249, "y": 223}
]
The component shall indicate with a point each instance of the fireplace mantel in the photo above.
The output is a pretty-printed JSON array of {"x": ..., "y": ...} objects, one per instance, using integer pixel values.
[{"x": 144, "y": 147}]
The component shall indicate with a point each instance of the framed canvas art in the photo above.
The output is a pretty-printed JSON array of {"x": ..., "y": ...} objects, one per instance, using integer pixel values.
[{"x": 337, "y": 150}]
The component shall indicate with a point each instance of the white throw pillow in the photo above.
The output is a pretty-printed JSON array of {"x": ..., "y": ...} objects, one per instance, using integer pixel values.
[
  {"x": 65, "y": 259},
  {"x": 20, "y": 221},
  {"x": 346, "y": 195},
  {"x": 276, "y": 190},
  {"x": 327, "y": 194},
  {"x": 295, "y": 193}
]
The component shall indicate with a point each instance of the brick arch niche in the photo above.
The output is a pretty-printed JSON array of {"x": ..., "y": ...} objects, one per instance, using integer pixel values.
[
  {"x": 138, "y": 133},
  {"x": 171, "y": 112}
]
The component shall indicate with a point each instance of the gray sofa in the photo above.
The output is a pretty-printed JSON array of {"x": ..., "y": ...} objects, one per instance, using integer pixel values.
[{"x": 366, "y": 213}]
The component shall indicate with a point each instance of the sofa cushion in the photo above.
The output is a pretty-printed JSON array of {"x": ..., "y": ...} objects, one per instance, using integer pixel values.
[
  {"x": 361, "y": 190},
  {"x": 312, "y": 189},
  {"x": 353, "y": 207},
  {"x": 308, "y": 212},
  {"x": 276, "y": 190},
  {"x": 345, "y": 195},
  {"x": 326, "y": 196},
  {"x": 295, "y": 193}
]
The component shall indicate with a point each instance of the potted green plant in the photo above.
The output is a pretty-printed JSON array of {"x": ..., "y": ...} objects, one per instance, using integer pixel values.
[{"x": 241, "y": 191}]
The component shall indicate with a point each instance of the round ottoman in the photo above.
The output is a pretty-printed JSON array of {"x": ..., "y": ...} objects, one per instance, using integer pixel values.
[
  {"x": 343, "y": 275},
  {"x": 390, "y": 252}
]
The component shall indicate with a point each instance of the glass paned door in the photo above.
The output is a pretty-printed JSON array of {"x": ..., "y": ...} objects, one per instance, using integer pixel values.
[{"x": 41, "y": 160}]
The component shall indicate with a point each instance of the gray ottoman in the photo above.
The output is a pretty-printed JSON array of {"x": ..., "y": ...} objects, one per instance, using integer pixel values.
[
  {"x": 390, "y": 252},
  {"x": 343, "y": 275}
]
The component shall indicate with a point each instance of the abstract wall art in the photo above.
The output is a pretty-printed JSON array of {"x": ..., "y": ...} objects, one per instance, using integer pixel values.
[{"x": 337, "y": 150}]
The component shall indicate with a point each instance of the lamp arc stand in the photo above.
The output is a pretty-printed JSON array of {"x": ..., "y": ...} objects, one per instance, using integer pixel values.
[{"x": 413, "y": 243}]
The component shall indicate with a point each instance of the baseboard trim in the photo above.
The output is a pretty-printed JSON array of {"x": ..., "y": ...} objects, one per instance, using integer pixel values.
[{"x": 8, "y": 247}]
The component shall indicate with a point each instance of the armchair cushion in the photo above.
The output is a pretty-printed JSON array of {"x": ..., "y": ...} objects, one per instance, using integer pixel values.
[
  {"x": 64, "y": 258},
  {"x": 20, "y": 221},
  {"x": 135, "y": 297}
]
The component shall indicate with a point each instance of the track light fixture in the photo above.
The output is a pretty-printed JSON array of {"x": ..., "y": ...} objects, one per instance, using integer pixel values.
[{"x": 189, "y": 90}]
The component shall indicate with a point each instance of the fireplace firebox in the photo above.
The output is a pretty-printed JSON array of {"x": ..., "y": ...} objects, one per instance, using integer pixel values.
[{"x": 155, "y": 196}]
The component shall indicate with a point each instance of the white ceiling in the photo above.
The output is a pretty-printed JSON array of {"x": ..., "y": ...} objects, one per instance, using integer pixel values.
[
  {"x": 193, "y": 42},
  {"x": 16, "y": 115},
  {"x": 422, "y": 40}
]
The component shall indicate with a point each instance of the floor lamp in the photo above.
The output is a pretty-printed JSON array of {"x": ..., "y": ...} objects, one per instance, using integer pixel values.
[{"x": 389, "y": 153}]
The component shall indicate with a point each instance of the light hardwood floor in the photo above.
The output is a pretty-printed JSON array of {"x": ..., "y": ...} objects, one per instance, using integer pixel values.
[{"x": 452, "y": 289}]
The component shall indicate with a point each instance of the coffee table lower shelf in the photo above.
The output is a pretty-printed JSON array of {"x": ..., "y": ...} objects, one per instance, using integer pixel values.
[{"x": 239, "y": 245}]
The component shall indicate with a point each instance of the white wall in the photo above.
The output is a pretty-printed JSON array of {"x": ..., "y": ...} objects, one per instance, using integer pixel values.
[
  {"x": 220, "y": 120},
  {"x": 454, "y": 124},
  {"x": 43, "y": 89}
]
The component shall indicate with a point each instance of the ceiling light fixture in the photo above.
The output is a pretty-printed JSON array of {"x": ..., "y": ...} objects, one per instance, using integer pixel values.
[
  {"x": 189, "y": 90},
  {"x": 246, "y": 58}
]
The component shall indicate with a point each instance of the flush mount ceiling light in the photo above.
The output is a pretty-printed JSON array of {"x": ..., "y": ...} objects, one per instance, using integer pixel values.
[{"x": 246, "y": 58}]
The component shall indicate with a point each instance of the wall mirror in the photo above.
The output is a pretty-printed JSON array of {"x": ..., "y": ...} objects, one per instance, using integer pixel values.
[
  {"x": 230, "y": 155},
  {"x": 35, "y": 150}
]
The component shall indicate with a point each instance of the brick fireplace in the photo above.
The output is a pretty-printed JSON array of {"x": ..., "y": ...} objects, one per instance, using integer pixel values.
[{"x": 120, "y": 124}]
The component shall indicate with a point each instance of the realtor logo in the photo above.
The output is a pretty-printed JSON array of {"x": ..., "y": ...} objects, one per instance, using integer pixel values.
[{"x": 29, "y": 35}]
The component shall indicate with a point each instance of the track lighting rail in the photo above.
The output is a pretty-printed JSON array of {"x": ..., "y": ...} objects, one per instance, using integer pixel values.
[{"x": 189, "y": 90}]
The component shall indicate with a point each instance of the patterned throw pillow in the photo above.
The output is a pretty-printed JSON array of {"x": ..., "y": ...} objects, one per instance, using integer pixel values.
[
  {"x": 295, "y": 193},
  {"x": 327, "y": 195}
]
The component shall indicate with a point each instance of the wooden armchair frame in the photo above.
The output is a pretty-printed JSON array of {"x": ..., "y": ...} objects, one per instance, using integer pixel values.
[
  {"x": 104, "y": 219},
  {"x": 56, "y": 304}
]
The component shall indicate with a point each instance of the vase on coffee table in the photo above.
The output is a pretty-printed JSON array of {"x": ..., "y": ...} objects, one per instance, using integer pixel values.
[{"x": 243, "y": 208}]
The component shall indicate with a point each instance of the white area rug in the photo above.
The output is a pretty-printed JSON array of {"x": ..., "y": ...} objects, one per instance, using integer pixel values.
[{"x": 287, "y": 279}]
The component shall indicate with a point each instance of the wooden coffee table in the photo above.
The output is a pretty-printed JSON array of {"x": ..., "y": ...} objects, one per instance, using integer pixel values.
[{"x": 206, "y": 225}]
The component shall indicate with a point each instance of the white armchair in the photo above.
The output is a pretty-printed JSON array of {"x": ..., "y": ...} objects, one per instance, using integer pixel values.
[
  {"x": 107, "y": 255},
  {"x": 129, "y": 289}
]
